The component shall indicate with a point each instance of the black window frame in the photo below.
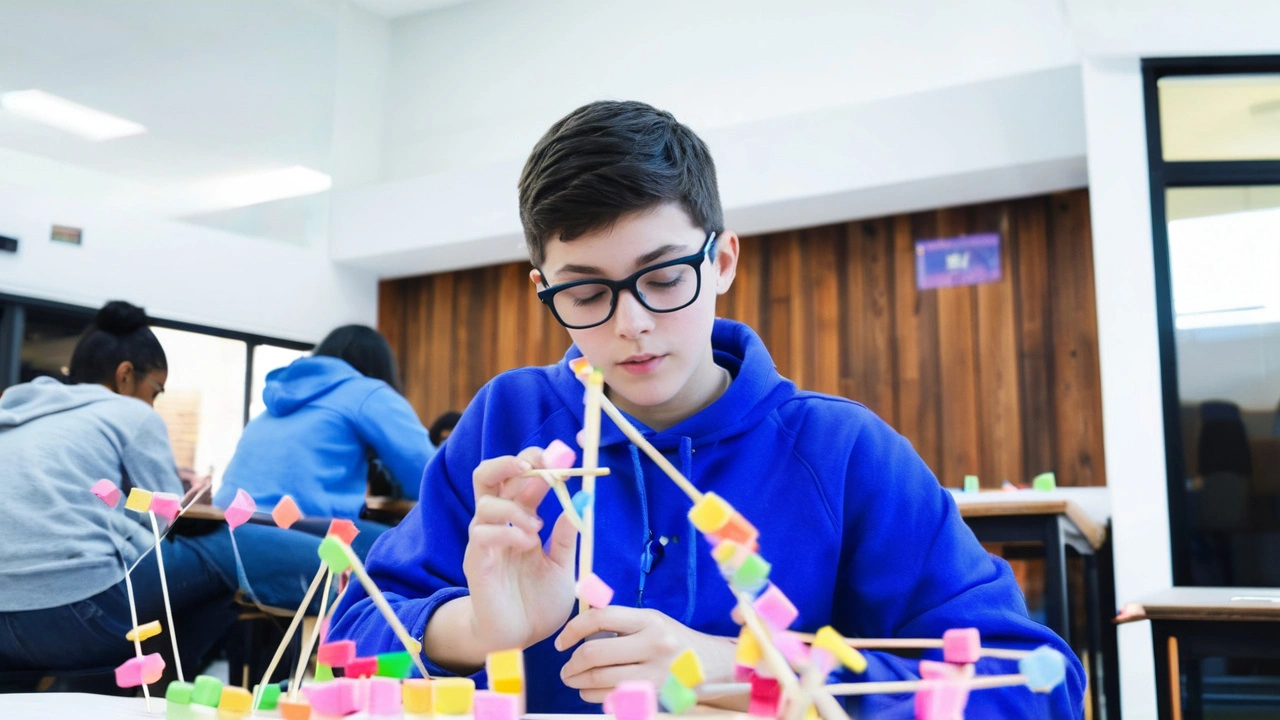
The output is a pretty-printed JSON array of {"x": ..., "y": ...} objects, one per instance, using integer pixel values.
[{"x": 1164, "y": 175}]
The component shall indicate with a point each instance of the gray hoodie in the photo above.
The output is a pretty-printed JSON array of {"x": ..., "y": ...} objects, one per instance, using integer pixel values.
[{"x": 58, "y": 542}]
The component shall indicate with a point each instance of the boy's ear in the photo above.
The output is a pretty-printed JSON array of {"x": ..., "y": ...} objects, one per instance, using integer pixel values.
[
  {"x": 726, "y": 261},
  {"x": 535, "y": 275}
]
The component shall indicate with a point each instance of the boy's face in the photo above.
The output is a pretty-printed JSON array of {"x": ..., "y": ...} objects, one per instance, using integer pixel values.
[{"x": 658, "y": 366}]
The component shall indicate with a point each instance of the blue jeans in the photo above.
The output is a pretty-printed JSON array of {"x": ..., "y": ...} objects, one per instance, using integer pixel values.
[{"x": 201, "y": 574}]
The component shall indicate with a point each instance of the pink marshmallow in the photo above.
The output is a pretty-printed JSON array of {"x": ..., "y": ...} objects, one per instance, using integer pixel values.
[
  {"x": 822, "y": 659},
  {"x": 240, "y": 509},
  {"x": 941, "y": 700},
  {"x": 384, "y": 697},
  {"x": 336, "y": 697},
  {"x": 488, "y": 705},
  {"x": 932, "y": 670},
  {"x": 107, "y": 492},
  {"x": 791, "y": 647},
  {"x": 166, "y": 505},
  {"x": 775, "y": 608},
  {"x": 558, "y": 456},
  {"x": 631, "y": 700},
  {"x": 140, "y": 670},
  {"x": 336, "y": 654},
  {"x": 765, "y": 695},
  {"x": 595, "y": 591},
  {"x": 961, "y": 646}
]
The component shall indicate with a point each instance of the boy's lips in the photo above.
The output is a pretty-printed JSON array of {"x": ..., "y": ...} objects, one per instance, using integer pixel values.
[{"x": 642, "y": 364}]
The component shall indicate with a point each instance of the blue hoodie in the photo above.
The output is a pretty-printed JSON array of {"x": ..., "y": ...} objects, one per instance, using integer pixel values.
[
  {"x": 858, "y": 530},
  {"x": 311, "y": 443}
]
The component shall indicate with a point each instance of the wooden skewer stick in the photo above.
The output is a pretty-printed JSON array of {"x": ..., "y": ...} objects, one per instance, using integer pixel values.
[
  {"x": 167, "y": 530},
  {"x": 778, "y": 664},
  {"x": 137, "y": 643},
  {"x": 639, "y": 441},
  {"x": 296, "y": 683},
  {"x": 566, "y": 502},
  {"x": 907, "y": 686},
  {"x": 164, "y": 590},
  {"x": 413, "y": 646},
  {"x": 554, "y": 475},
  {"x": 917, "y": 644},
  {"x": 590, "y": 461},
  {"x": 288, "y": 634}
]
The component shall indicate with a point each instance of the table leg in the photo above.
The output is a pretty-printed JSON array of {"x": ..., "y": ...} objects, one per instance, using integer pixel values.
[
  {"x": 1092, "y": 611},
  {"x": 1055, "y": 579}
]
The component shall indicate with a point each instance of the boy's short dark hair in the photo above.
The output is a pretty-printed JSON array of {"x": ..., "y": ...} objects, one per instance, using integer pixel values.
[{"x": 608, "y": 159}]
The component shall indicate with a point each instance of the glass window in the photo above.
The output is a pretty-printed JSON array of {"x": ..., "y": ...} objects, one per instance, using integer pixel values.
[
  {"x": 265, "y": 359},
  {"x": 48, "y": 339},
  {"x": 203, "y": 401},
  {"x": 1220, "y": 117}
]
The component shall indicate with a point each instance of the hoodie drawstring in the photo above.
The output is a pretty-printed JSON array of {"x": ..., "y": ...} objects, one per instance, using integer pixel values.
[
  {"x": 646, "y": 540},
  {"x": 691, "y": 540}
]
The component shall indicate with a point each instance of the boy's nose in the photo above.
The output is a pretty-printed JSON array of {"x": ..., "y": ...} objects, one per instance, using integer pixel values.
[{"x": 630, "y": 318}]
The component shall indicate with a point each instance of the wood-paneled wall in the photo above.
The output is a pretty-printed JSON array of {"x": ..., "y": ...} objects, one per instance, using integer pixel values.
[{"x": 999, "y": 380}]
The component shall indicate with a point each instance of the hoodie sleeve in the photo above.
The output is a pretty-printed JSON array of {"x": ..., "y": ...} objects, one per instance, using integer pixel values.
[
  {"x": 387, "y": 423},
  {"x": 418, "y": 564},
  {"x": 911, "y": 568},
  {"x": 148, "y": 459}
]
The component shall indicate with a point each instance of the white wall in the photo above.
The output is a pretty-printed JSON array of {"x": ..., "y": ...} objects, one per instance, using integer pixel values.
[{"x": 179, "y": 271}]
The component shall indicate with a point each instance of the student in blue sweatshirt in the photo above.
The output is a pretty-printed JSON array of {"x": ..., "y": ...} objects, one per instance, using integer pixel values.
[
  {"x": 622, "y": 218},
  {"x": 329, "y": 416}
]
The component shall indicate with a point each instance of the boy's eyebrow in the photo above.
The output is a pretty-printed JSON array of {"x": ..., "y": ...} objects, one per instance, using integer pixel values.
[{"x": 640, "y": 261}]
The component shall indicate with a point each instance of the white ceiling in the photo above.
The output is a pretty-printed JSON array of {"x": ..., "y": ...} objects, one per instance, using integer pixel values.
[{"x": 391, "y": 9}]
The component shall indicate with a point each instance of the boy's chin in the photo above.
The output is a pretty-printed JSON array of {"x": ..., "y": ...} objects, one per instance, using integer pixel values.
[{"x": 648, "y": 392}]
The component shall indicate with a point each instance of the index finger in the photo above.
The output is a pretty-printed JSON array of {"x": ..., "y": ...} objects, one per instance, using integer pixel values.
[{"x": 613, "y": 618}]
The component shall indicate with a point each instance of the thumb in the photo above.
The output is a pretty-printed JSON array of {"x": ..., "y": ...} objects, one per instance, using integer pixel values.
[{"x": 564, "y": 541}]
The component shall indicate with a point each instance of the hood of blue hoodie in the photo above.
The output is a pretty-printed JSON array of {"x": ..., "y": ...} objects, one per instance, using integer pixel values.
[
  {"x": 43, "y": 396},
  {"x": 304, "y": 380},
  {"x": 757, "y": 390}
]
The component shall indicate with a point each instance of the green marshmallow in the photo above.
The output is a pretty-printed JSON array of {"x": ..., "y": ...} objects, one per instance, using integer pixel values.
[
  {"x": 752, "y": 574},
  {"x": 334, "y": 554},
  {"x": 1045, "y": 482},
  {"x": 270, "y": 696},
  {"x": 675, "y": 697},
  {"x": 971, "y": 483},
  {"x": 324, "y": 673},
  {"x": 394, "y": 665},
  {"x": 207, "y": 691},
  {"x": 179, "y": 693}
]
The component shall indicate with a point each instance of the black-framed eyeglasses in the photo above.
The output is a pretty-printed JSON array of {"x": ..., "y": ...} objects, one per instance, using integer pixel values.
[{"x": 663, "y": 288}]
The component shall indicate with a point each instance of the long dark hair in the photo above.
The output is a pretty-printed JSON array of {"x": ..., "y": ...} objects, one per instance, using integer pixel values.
[
  {"x": 119, "y": 333},
  {"x": 365, "y": 350}
]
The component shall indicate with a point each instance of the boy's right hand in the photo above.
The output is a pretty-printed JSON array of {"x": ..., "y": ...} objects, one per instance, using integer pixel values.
[{"x": 519, "y": 593}]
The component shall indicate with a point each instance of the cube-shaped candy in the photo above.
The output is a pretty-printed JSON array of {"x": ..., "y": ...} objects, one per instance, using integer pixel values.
[
  {"x": 748, "y": 652},
  {"x": 178, "y": 693},
  {"x": 207, "y": 691},
  {"x": 295, "y": 710},
  {"x": 269, "y": 697},
  {"x": 362, "y": 667},
  {"x": 454, "y": 696},
  {"x": 240, "y": 509},
  {"x": 581, "y": 500},
  {"x": 595, "y": 591},
  {"x": 324, "y": 673},
  {"x": 775, "y": 609},
  {"x": 743, "y": 673},
  {"x": 971, "y": 484},
  {"x": 490, "y": 705},
  {"x": 833, "y": 642},
  {"x": 558, "y": 456},
  {"x": 506, "y": 671},
  {"x": 941, "y": 699},
  {"x": 933, "y": 670},
  {"x": 632, "y": 700},
  {"x": 107, "y": 492},
  {"x": 286, "y": 512},
  {"x": 1045, "y": 669},
  {"x": 139, "y": 500},
  {"x": 337, "y": 653},
  {"x": 580, "y": 366},
  {"x": 384, "y": 697},
  {"x": 752, "y": 575},
  {"x": 710, "y": 513},
  {"x": 334, "y": 554},
  {"x": 1045, "y": 482},
  {"x": 739, "y": 530},
  {"x": 343, "y": 529},
  {"x": 166, "y": 505},
  {"x": 822, "y": 659},
  {"x": 394, "y": 664},
  {"x": 235, "y": 701},
  {"x": 791, "y": 647},
  {"x": 145, "y": 631},
  {"x": 417, "y": 695},
  {"x": 330, "y": 698},
  {"x": 675, "y": 697},
  {"x": 138, "y": 671},
  {"x": 687, "y": 668},
  {"x": 765, "y": 695},
  {"x": 961, "y": 646}
]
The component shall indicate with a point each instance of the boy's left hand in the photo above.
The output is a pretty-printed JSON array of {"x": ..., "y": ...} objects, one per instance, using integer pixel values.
[{"x": 646, "y": 644}]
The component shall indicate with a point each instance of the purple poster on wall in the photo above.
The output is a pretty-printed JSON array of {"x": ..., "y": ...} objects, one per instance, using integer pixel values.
[{"x": 954, "y": 262}]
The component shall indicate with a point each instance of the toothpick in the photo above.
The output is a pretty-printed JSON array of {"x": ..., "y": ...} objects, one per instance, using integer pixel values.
[
  {"x": 639, "y": 441},
  {"x": 296, "y": 684},
  {"x": 590, "y": 460},
  {"x": 553, "y": 475},
  {"x": 566, "y": 502},
  {"x": 413, "y": 646},
  {"x": 169, "y": 529},
  {"x": 906, "y": 686},
  {"x": 164, "y": 589},
  {"x": 137, "y": 643},
  {"x": 288, "y": 634},
  {"x": 917, "y": 644}
]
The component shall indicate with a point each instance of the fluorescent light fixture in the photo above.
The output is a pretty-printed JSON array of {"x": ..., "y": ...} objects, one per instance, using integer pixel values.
[
  {"x": 265, "y": 186},
  {"x": 63, "y": 114}
]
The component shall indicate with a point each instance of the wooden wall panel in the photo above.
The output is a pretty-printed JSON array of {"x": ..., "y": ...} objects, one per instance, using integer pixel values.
[{"x": 998, "y": 380}]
